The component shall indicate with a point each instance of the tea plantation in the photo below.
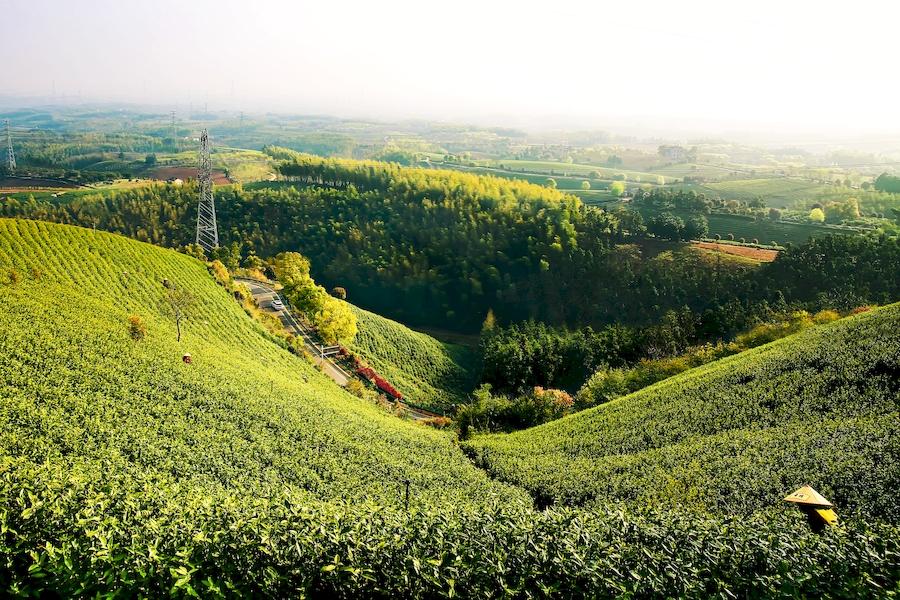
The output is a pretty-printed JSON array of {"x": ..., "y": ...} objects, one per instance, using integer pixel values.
[
  {"x": 736, "y": 435},
  {"x": 126, "y": 472},
  {"x": 429, "y": 373}
]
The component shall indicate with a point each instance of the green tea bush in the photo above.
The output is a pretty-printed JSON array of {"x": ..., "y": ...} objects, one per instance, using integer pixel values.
[{"x": 734, "y": 435}]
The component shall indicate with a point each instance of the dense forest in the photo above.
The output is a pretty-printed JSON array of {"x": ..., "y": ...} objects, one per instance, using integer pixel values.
[{"x": 431, "y": 247}]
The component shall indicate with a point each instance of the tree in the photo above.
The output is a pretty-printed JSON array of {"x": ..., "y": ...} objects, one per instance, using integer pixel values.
[
  {"x": 585, "y": 185},
  {"x": 551, "y": 183},
  {"x": 232, "y": 257},
  {"x": 335, "y": 322},
  {"x": 667, "y": 226},
  {"x": 150, "y": 160},
  {"x": 888, "y": 183},
  {"x": 774, "y": 214},
  {"x": 614, "y": 161},
  {"x": 178, "y": 304},
  {"x": 490, "y": 322},
  {"x": 291, "y": 269},
  {"x": 817, "y": 215},
  {"x": 617, "y": 188},
  {"x": 696, "y": 227}
]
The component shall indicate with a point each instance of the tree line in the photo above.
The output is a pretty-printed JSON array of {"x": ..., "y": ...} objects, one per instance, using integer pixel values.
[{"x": 431, "y": 247}]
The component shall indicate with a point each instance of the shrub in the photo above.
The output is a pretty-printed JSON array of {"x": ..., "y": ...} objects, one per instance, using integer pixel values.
[
  {"x": 339, "y": 293},
  {"x": 825, "y": 316},
  {"x": 14, "y": 277},
  {"x": 355, "y": 387},
  {"x": 220, "y": 272},
  {"x": 489, "y": 413},
  {"x": 136, "y": 327},
  {"x": 438, "y": 422}
]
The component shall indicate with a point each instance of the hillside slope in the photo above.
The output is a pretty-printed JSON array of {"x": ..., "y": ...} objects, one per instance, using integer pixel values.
[
  {"x": 429, "y": 373},
  {"x": 125, "y": 472},
  {"x": 245, "y": 410},
  {"x": 735, "y": 435}
]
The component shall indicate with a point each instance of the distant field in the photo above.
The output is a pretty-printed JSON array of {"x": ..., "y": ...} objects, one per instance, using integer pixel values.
[
  {"x": 756, "y": 254},
  {"x": 777, "y": 192},
  {"x": 59, "y": 194},
  {"x": 545, "y": 167},
  {"x": 185, "y": 173},
  {"x": 18, "y": 183},
  {"x": 769, "y": 231}
]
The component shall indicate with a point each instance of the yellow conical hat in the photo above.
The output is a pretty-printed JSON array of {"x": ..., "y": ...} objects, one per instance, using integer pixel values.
[{"x": 810, "y": 497}]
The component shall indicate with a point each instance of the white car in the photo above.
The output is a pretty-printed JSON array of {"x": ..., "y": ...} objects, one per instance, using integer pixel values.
[{"x": 277, "y": 304}]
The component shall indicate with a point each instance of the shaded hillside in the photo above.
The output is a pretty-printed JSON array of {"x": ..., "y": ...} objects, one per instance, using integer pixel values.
[{"x": 735, "y": 435}]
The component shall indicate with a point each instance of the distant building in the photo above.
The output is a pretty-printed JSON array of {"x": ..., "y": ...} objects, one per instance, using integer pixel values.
[{"x": 674, "y": 153}]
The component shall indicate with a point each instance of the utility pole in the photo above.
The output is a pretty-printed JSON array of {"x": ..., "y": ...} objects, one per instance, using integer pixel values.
[
  {"x": 207, "y": 232},
  {"x": 10, "y": 155}
]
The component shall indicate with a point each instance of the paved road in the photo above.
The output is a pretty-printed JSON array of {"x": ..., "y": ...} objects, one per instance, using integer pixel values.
[{"x": 264, "y": 293}]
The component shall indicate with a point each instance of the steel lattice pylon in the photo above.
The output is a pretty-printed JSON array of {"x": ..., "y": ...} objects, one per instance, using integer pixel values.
[
  {"x": 10, "y": 155},
  {"x": 207, "y": 232}
]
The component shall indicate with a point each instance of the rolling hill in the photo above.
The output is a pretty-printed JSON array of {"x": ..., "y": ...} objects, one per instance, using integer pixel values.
[
  {"x": 126, "y": 472},
  {"x": 72, "y": 373},
  {"x": 431, "y": 374},
  {"x": 733, "y": 436}
]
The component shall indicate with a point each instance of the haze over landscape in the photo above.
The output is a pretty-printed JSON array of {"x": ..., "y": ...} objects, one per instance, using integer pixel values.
[
  {"x": 812, "y": 67},
  {"x": 468, "y": 300}
]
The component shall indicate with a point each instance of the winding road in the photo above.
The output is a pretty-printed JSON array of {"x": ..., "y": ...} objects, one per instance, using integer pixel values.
[{"x": 265, "y": 293}]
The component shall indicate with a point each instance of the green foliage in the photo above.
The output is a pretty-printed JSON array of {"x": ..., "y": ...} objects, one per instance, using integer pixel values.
[
  {"x": 429, "y": 373},
  {"x": 888, "y": 183},
  {"x": 489, "y": 413},
  {"x": 607, "y": 384},
  {"x": 335, "y": 321},
  {"x": 666, "y": 226},
  {"x": 524, "y": 250},
  {"x": 125, "y": 472},
  {"x": 332, "y": 318},
  {"x": 735, "y": 435},
  {"x": 617, "y": 188},
  {"x": 817, "y": 215}
]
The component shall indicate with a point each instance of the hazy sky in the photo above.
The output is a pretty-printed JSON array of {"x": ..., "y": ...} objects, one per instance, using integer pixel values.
[{"x": 807, "y": 65}]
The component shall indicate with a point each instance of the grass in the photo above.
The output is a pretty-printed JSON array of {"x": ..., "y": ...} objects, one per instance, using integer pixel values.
[{"x": 735, "y": 435}]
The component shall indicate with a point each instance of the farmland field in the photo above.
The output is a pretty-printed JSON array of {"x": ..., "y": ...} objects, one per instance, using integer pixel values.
[
  {"x": 756, "y": 254},
  {"x": 767, "y": 231},
  {"x": 777, "y": 192},
  {"x": 549, "y": 167},
  {"x": 185, "y": 173}
]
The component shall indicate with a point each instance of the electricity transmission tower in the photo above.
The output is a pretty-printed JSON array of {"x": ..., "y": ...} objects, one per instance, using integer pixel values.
[
  {"x": 207, "y": 233},
  {"x": 10, "y": 155}
]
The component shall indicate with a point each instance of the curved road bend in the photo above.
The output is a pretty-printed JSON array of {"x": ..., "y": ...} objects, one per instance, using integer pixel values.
[{"x": 265, "y": 293}]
